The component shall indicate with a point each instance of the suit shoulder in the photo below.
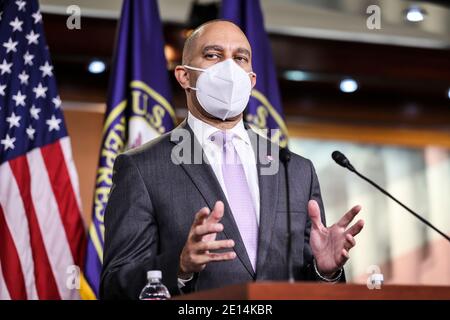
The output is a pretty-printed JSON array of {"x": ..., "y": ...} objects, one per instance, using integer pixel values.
[
  {"x": 157, "y": 145},
  {"x": 301, "y": 162},
  {"x": 157, "y": 151},
  {"x": 301, "y": 159}
]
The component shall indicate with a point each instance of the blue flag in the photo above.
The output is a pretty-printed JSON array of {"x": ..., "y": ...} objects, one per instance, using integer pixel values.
[
  {"x": 264, "y": 110},
  {"x": 138, "y": 109}
]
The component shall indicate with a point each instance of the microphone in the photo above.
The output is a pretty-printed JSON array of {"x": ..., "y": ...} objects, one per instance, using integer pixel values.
[
  {"x": 342, "y": 160},
  {"x": 285, "y": 157}
]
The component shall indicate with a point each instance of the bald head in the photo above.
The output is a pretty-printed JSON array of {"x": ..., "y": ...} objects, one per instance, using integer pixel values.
[{"x": 209, "y": 30}]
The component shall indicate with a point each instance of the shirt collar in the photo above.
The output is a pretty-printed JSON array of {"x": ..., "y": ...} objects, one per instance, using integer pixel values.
[{"x": 203, "y": 131}]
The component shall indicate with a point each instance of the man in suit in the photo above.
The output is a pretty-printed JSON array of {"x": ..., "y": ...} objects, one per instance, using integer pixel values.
[{"x": 222, "y": 220}]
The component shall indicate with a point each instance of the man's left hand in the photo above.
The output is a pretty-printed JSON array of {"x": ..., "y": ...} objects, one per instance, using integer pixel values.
[{"x": 331, "y": 246}]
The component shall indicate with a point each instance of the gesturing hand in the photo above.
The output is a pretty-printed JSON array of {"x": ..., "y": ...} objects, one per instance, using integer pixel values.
[
  {"x": 202, "y": 238},
  {"x": 330, "y": 246}
]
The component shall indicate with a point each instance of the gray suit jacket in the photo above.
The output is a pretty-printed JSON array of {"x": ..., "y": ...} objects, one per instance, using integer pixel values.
[{"x": 152, "y": 205}]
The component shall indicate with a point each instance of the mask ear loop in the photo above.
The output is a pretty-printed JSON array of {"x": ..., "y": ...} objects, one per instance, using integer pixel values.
[{"x": 195, "y": 69}]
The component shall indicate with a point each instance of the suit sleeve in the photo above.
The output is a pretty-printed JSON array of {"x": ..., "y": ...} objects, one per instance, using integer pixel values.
[
  {"x": 131, "y": 237},
  {"x": 308, "y": 256}
]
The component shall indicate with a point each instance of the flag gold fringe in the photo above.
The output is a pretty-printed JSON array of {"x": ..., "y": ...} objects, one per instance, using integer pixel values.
[{"x": 86, "y": 292}]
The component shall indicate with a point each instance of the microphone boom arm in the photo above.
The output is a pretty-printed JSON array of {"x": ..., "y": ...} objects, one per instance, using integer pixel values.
[
  {"x": 402, "y": 204},
  {"x": 342, "y": 160}
]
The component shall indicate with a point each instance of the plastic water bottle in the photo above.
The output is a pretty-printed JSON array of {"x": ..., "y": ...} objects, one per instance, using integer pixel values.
[{"x": 154, "y": 290}]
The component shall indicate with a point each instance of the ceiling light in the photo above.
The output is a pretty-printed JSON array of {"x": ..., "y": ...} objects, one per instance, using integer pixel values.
[
  {"x": 295, "y": 75},
  {"x": 415, "y": 14},
  {"x": 348, "y": 85},
  {"x": 96, "y": 66}
]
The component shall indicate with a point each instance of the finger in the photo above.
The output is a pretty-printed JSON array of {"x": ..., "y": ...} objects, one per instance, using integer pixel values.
[
  {"x": 200, "y": 216},
  {"x": 345, "y": 255},
  {"x": 206, "y": 228},
  {"x": 221, "y": 256},
  {"x": 217, "y": 212},
  {"x": 349, "y": 216},
  {"x": 356, "y": 228},
  {"x": 210, "y": 257},
  {"x": 314, "y": 214},
  {"x": 350, "y": 240},
  {"x": 214, "y": 245}
]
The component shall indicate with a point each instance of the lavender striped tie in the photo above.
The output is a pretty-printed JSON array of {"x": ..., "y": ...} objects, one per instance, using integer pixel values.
[{"x": 239, "y": 196}]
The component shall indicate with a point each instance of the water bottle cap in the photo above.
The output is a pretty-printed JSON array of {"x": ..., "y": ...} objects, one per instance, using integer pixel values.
[{"x": 154, "y": 274}]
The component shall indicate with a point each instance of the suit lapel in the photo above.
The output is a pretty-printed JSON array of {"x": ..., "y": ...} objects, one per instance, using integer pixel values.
[
  {"x": 203, "y": 177},
  {"x": 268, "y": 192}
]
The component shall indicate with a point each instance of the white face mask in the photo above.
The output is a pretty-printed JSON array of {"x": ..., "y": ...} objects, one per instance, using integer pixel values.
[{"x": 223, "y": 90}]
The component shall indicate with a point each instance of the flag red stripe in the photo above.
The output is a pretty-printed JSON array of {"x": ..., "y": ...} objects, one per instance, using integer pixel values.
[
  {"x": 65, "y": 197},
  {"x": 45, "y": 280},
  {"x": 9, "y": 259}
]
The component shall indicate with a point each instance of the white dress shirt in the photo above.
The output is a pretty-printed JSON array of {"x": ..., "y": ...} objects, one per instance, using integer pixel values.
[{"x": 213, "y": 152}]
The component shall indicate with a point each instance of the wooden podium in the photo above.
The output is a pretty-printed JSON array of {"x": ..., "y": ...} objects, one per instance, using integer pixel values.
[{"x": 319, "y": 291}]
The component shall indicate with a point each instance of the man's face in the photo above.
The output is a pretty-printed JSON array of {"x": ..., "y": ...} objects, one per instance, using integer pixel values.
[{"x": 217, "y": 42}]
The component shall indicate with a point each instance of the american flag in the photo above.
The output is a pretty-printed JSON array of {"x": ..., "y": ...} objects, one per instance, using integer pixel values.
[{"x": 41, "y": 229}]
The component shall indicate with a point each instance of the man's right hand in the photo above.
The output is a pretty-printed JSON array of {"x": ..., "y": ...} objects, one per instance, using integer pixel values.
[{"x": 202, "y": 239}]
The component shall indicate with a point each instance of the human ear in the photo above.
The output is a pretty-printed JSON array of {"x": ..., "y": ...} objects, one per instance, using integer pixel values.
[
  {"x": 182, "y": 76},
  {"x": 253, "y": 79}
]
